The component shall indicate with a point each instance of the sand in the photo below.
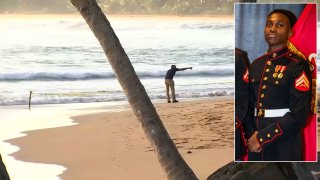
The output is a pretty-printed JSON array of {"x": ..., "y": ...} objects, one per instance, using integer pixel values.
[{"x": 112, "y": 145}]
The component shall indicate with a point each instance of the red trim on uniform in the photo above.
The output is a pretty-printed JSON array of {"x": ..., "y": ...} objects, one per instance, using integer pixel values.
[
  {"x": 292, "y": 58},
  {"x": 277, "y": 50},
  {"x": 243, "y": 139},
  {"x": 241, "y": 158},
  {"x": 245, "y": 77},
  {"x": 239, "y": 122},
  {"x": 277, "y": 57},
  {"x": 278, "y": 134},
  {"x": 245, "y": 145},
  {"x": 271, "y": 53}
]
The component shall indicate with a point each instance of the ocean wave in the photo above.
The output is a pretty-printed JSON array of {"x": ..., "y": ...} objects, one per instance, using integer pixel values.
[
  {"x": 161, "y": 26},
  {"x": 55, "y": 99},
  {"x": 47, "y": 76},
  {"x": 70, "y": 76},
  {"x": 219, "y": 26}
]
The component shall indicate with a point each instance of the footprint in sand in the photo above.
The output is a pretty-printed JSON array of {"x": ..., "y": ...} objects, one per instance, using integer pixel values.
[{"x": 148, "y": 149}]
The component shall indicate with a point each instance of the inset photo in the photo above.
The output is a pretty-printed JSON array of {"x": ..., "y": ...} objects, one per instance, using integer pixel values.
[{"x": 275, "y": 82}]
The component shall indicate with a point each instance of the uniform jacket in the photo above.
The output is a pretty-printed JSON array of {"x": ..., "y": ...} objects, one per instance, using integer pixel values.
[
  {"x": 241, "y": 103},
  {"x": 279, "y": 80}
]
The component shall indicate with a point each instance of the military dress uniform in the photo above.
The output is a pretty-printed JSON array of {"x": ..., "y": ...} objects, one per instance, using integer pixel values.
[
  {"x": 280, "y": 97},
  {"x": 243, "y": 128}
]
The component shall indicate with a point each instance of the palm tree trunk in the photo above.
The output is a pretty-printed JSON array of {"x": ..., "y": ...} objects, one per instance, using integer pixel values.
[
  {"x": 170, "y": 159},
  {"x": 3, "y": 171}
]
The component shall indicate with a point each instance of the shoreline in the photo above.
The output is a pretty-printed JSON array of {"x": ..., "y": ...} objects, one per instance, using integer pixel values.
[
  {"x": 108, "y": 103},
  {"x": 19, "y": 121},
  {"x": 126, "y": 138}
]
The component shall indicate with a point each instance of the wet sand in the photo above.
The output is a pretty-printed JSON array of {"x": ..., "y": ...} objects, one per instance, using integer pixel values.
[{"x": 112, "y": 145}]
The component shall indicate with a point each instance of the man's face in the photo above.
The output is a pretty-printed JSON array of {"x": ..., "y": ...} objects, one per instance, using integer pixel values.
[{"x": 277, "y": 30}]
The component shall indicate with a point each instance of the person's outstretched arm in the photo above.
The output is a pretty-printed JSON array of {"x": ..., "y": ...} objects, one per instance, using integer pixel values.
[{"x": 182, "y": 69}]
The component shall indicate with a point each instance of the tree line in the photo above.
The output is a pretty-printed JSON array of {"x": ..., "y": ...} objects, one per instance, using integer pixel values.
[
  {"x": 152, "y": 7},
  {"x": 161, "y": 7}
]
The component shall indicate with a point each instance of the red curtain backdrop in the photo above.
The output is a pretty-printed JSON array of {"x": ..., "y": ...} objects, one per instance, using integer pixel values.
[{"x": 304, "y": 42}]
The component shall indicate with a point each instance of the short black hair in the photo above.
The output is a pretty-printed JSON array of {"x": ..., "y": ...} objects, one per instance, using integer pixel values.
[
  {"x": 290, "y": 15},
  {"x": 173, "y": 66}
]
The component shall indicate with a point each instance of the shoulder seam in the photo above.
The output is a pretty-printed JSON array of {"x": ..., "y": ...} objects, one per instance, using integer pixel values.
[{"x": 300, "y": 59}]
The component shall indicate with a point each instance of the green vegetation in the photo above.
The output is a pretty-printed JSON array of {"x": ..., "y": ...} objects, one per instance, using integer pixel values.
[{"x": 155, "y": 7}]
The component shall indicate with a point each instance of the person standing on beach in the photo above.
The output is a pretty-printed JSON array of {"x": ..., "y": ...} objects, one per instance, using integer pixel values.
[
  {"x": 280, "y": 95},
  {"x": 243, "y": 126},
  {"x": 170, "y": 83}
]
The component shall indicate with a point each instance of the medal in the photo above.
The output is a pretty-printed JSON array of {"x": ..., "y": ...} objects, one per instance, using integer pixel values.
[
  {"x": 275, "y": 75},
  {"x": 282, "y": 69},
  {"x": 278, "y": 71}
]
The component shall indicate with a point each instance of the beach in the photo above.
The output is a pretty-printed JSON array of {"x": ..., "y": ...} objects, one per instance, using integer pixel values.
[
  {"x": 112, "y": 145},
  {"x": 80, "y": 125}
]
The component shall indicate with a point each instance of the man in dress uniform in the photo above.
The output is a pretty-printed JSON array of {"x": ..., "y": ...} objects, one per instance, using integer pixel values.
[
  {"x": 243, "y": 128},
  {"x": 280, "y": 95}
]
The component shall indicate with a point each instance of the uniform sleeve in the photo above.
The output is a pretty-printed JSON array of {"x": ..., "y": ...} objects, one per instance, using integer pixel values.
[
  {"x": 242, "y": 93},
  {"x": 242, "y": 88},
  {"x": 248, "y": 119},
  {"x": 299, "y": 105}
]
